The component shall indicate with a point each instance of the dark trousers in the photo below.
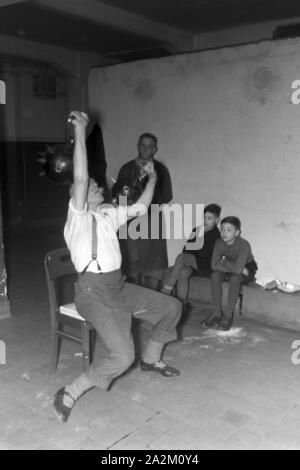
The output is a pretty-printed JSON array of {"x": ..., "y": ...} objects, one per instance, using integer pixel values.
[
  {"x": 235, "y": 281},
  {"x": 185, "y": 267},
  {"x": 109, "y": 303}
]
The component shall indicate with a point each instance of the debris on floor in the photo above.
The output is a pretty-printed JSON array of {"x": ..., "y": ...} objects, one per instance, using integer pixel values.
[
  {"x": 191, "y": 339},
  {"x": 138, "y": 397},
  {"x": 234, "y": 388},
  {"x": 233, "y": 336},
  {"x": 25, "y": 376}
]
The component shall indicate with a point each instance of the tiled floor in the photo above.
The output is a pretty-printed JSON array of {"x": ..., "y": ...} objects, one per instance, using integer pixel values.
[{"x": 236, "y": 391}]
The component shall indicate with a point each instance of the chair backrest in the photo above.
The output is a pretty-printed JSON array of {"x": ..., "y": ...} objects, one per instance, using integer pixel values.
[{"x": 61, "y": 277}]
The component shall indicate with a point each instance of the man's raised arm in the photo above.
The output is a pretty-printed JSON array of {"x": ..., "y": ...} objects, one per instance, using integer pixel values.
[
  {"x": 142, "y": 204},
  {"x": 80, "y": 164}
]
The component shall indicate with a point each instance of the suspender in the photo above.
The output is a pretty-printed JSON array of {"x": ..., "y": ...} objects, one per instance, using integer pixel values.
[{"x": 94, "y": 245}]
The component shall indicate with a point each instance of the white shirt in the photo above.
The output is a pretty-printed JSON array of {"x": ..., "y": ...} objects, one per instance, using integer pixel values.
[{"x": 78, "y": 237}]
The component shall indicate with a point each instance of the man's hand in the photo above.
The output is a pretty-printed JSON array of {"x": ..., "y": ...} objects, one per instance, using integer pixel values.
[
  {"x": 150, "y": 171},
  {"x": 79, "y": 120},
  {"x": 144, "y": 201},
  {"x": 246, "y": 272}
]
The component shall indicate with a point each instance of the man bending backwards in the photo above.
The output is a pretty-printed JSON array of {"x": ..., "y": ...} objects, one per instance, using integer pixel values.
[{"x": 102, "y": 296}]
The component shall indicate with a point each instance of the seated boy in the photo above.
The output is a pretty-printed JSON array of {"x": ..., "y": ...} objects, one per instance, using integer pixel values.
[
  {"x": 232, "y": 258},
  {"x": 195, "y": 262}
]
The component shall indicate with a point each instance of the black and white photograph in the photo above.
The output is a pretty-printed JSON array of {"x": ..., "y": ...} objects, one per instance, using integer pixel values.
[{"x": 149, "y": 227}]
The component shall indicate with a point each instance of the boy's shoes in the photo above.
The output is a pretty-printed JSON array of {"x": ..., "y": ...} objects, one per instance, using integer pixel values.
[
  {"x": 212, "y": 320},
  {"x": 225, "y": 324},
  {"x": 160, "y": 367},
  {"x": 221, "y": 323},
  {"x": 63, "y": 404}
]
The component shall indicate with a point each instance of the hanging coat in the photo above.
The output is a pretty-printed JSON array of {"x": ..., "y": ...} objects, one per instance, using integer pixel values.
[{"x": 96, "y": 156}]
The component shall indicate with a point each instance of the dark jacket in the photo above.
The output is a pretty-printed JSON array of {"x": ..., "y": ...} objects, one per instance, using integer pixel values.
[{"x": 204, "y": 255}]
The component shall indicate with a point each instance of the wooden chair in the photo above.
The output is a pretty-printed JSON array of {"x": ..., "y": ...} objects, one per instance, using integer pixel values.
[{"x": 61, "y": 277}]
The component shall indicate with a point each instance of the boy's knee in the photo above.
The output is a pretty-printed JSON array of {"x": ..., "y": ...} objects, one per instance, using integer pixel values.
[
  {"x": 180, "y": 259},
  {"x": 185, "y": 273}
]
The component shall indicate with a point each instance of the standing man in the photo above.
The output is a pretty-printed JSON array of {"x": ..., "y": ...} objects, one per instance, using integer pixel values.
[
  {"x": 102, "y": 297},
  {"x": 146, "y": 256}
]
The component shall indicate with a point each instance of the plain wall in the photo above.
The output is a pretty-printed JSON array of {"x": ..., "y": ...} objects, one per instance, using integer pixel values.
[{"x": 227, "y": 130}]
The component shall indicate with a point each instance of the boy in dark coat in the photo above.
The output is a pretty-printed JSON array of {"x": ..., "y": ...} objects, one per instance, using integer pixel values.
[{"x": 195, "y": 262}]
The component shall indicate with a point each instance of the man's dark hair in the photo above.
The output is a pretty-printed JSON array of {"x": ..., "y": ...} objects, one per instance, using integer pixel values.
[
  {"x": 235, "y": 221},
  {"x": 213, "y": 209},
  {"x": 148, "y": 135}
]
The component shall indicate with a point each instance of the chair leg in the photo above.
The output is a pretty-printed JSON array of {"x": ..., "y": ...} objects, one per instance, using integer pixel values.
[
  {"x": 92, "y": 344},
  {"x": 85, "y": 337},
  {"x": 241, "y": 298},
  {"x": 55, "y": 349}
]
